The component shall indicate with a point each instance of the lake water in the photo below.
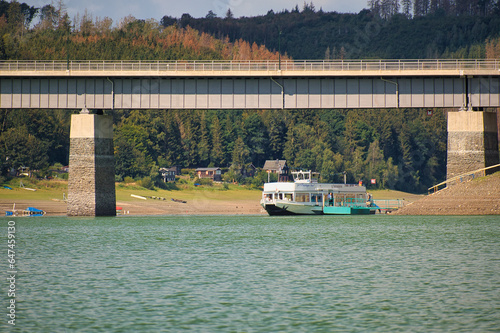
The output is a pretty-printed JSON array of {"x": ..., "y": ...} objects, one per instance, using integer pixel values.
[{"x": 254, "y": 274}]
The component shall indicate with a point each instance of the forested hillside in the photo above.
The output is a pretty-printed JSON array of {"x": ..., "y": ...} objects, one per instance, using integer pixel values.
[
  {"x": 401, "y": 149},
  {"x": 391, "y": 29}
]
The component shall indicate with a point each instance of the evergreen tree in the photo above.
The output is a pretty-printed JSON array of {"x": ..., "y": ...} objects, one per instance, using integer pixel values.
[
  {"x": 19, "y": 148},
  {"x": 204, "y": 141},
  {"x": 189, "y": 140},
  {"x": 131, "y": 157},
  {"x": 255, "y": 138},
  {"x": 170, "y": 141},
  {"x": 277, "y": 135},
  {"x": 241, "y": 154},
  {"x": 217, "y": 152}
]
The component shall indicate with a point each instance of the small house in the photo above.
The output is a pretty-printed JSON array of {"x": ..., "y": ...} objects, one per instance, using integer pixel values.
[
  {"x": 169, "y": 174},
  {"x": 278, "y": 167},
  {"x": 214, "y": 173},
  {"x": 248, "y": 170}
]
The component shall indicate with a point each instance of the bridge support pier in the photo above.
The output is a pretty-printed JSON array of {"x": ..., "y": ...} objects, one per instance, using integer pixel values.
[
  {"x": 472, "y": 141},
  {"x": 91, "y": 184}
]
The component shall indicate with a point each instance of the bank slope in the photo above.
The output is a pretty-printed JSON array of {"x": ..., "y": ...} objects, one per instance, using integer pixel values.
[{"x": 478, "y": 197}]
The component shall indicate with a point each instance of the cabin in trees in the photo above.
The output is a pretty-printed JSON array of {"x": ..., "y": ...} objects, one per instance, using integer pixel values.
[
  {"x": 248, "y": 170},
  {"x": 278, "y": 167},
  {"x": 213, "y": 173},
  {"x": 169, "y": 174}
]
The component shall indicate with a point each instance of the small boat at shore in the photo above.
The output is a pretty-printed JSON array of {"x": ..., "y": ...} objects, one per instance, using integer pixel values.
[
  {"x": 12, "y": 212},
  {"x": 32, "y": 211},
  {"x": 305, "y": 196}
]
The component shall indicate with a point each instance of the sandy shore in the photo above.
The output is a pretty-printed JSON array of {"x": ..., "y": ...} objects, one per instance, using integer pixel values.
[
  {"x": 478, "y": 197},
  {"x": 149, "y": 207}
]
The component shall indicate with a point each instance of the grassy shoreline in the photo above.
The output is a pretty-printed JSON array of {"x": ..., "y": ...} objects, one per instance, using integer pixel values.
[
  {"x": 215, "y": 199},
  {"x": 56, "y": 189}
]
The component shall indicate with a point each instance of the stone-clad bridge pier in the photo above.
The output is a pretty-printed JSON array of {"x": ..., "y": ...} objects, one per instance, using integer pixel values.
[{"x": 471, "y": 87}]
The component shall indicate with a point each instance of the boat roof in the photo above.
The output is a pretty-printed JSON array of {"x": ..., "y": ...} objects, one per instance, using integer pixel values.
[
  {"x": 33, "y": 209},
  {"x": 313, "y": 187}
]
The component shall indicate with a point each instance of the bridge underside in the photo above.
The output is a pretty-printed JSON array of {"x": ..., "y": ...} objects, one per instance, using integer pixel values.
[{"x": 248, "y": 93}]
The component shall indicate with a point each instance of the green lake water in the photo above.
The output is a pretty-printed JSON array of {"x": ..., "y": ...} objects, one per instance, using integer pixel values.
[{"x": 253, "y": 274}]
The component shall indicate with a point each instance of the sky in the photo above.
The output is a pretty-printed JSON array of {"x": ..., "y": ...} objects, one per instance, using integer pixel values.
[{"x": 156, "y": 9}]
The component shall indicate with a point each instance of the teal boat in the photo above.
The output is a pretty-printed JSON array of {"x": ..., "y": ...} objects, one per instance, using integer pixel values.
[{"x": 346, "y": 205}]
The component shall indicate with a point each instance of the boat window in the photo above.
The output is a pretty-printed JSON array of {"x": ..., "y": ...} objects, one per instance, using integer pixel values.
[
  {"x": 316, "y": 197},
  {"x": 289, "y": 196},
  {"x": 339, "y": 199},
  {"x": 303, "y": 197}
]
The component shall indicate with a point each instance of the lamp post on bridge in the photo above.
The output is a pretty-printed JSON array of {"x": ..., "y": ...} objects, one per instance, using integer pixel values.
[{"x": 279, "y": 50}]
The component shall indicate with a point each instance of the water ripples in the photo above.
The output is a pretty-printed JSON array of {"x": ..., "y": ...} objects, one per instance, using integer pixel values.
[{"x": 259, "y": 274}]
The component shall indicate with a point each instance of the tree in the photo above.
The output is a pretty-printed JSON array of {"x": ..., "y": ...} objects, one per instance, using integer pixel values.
[
  {"x": 211, "y": 15},
  {"x": 169, "y": 140},
  {"x": 375, "y": 163},
  {"x": 277, "y": 134},
  {"x": 20, "y": 148},
  {"x": 48, "y": 17},
  {"x": 189, "y": 135},
  {"x": 241, "y": 154},
  {"x": 406, "y": 7},
  {"x": 255, "y": 138},
  {"x": 332, "y": 167},
  {"x": 204, "y": 141},
  {"x": 328, "y": 54},
  {"x": 15, "y": 18},
  {"x": 342, "y": 53},
  {"x": 217, "y": 152},
  {"x": 130, "y": 151}
]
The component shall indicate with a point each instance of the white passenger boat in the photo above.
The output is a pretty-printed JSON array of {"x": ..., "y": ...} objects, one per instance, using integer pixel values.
[{"x": 305, "y": 196}]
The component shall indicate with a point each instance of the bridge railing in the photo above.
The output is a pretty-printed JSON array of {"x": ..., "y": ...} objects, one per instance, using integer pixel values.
[
  {"x": 466, "y": 177},
  {"x": 248, "y": 65}
]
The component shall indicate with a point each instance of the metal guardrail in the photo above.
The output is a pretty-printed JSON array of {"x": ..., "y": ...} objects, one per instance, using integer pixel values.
[
  {"x": 389, "y": 204},
  {"x": 247, "y": 65},
  {"x": 466, "y": 177}
]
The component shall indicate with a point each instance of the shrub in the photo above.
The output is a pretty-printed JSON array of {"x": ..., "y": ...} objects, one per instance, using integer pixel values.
[
  {"x": 128, "y": 180},
  {"x": 147, "y": 182},
  {"x": 203, "y": 181}
]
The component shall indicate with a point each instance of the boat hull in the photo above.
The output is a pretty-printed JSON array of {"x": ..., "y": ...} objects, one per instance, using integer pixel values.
[
  {"x": 292, "y": 209},
  {"x": 277, "y": 210},
  {"x": 347, "y": 210}
]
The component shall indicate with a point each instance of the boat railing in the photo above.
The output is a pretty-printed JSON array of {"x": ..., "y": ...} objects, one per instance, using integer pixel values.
[
  {"x": 382, "y": 204},
  {"x": 347, "y": 202}
]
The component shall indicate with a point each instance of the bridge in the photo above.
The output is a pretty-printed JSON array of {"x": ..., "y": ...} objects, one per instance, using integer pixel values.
[
  {"x": 464, "y": 85},
  {"x": 250, "y": 84}
]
